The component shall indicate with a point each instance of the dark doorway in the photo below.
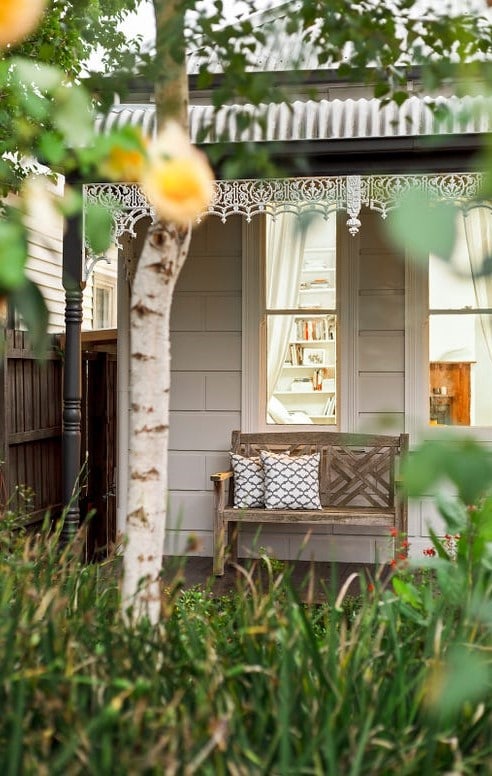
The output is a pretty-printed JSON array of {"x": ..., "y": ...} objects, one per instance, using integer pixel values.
[{"x": 99, "y": 442}]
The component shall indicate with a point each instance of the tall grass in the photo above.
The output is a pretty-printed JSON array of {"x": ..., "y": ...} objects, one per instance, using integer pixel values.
[{"x": 252, "y": 683}]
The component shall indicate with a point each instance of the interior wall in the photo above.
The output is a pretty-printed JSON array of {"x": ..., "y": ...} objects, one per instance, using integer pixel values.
[{"x": 205, "y": 380}]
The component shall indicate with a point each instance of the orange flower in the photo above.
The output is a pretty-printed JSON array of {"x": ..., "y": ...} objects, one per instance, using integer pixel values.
[
  {"x": 178, "y": 180},
  {"x": 18, "y": 18}
]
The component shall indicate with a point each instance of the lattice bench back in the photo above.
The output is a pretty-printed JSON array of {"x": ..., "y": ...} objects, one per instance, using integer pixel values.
[{"x": 355, "y": 469}]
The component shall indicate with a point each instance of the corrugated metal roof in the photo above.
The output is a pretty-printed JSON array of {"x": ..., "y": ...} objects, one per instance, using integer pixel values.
[{"x": 319, "y": 120}]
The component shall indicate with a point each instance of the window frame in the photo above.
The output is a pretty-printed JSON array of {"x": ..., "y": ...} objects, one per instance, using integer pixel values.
[
  {"x": 254, "y": 333},
  {"x": 417, "y": 359}
]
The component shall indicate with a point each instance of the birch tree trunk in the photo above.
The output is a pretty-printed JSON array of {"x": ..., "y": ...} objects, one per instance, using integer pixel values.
[{"x": 163, "y": 255}]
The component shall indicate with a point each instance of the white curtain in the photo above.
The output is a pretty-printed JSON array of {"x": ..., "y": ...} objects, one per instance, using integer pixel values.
[
  {"x": 478, "y": 233},
  {"x": 285, "y": 250}
]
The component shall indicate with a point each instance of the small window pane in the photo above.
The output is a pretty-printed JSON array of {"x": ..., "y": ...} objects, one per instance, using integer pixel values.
[
  {"x": 301, "y": 263},
  {"x": 301, "y": 369},
  {"x": 448, "y": 289},
  {"x": 460, "y": 369},
  {"x": 102, "y": 307}
]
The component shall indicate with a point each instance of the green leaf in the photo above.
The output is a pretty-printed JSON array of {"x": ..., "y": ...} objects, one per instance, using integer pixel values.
[
  {"x": 464, "y": 462},
  {"x": 469, "y": 465},
  {"x": 422, "y": 226},
  {"x": 464, "y": 679},
  {"x": 453, "y": 512},
  {"x": 51, "y": 147},
  {"x": 483, "y": 520},
  {"x": 29, "y": 302},
  {"x": 13, "y": 255},
  {"x": 381, "y": 89},
  {"x": 438, "y": 545},
  {"x": 97, "y": 228},
  {"x": 400, "y": 97},
  {"x": 421, "y": 470},
  {"x": 71, "y": 203},
  {"x": 407, "y": 592},
  {"x": 73, "y": 115},
  {"x": 31, "y": 73}
]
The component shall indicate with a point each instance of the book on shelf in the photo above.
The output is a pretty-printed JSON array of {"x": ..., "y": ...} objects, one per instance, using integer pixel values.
[
  {"x": 329, "y": 408},
  {"x": 295, "y": 354},
  {"x": 311, "y": 329}
]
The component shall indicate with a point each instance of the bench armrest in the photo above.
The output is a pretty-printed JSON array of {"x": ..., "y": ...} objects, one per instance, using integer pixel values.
[{"x": 221, "y": 476}]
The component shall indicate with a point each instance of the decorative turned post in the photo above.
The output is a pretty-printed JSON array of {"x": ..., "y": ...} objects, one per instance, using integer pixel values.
[{"x": 72, "y": 373}]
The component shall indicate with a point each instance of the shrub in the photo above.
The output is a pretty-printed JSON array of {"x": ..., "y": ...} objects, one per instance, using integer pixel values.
[{"x": 256, "y": 682}]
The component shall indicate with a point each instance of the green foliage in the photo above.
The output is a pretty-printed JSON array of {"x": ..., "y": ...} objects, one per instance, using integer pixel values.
[
  {"x": 98, "y": 223},
  {"x": 461, "y": 461},
  {"x": 422, "y": 227},
  {"x": 255, "y": 682},
  {"x": 72, "y": 29},
  {"x": 45, "y": 112},
  {"x": 13, "y": 254},
  {"x": 458, "y": 590},
  {"x": 46, "y": 116},
  {"x": 29, "y": 301}
]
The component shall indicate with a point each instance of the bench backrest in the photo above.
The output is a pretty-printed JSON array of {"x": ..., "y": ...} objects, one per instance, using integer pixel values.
[{"x": 355, "y": 469}]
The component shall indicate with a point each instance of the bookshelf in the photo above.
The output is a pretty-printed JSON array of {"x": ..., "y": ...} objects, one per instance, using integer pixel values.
[{"x": 307, "y": 382}]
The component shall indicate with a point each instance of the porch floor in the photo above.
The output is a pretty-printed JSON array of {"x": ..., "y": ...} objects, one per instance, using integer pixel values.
[{"x": 311, "y": 580}]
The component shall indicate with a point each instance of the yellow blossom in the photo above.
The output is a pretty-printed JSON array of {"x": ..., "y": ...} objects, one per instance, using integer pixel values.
[
  {"x": 18, "y": 18},
  {"x": 125, "y": 164},
  {"x": 178, "y": 180}
]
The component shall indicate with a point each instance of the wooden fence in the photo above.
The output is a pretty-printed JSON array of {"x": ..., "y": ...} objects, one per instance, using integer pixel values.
[
  {"x": 31, "y": 433},
  {"x": 30, "y": 428}
]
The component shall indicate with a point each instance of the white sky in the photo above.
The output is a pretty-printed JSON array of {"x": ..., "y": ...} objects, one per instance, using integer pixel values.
[{"x": 143, "y": 22}]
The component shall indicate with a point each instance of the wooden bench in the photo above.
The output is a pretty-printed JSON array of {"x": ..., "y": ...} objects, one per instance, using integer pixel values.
[{"x": 358, "y": 479}]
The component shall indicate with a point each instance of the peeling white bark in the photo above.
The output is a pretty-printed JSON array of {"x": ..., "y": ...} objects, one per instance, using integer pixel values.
[{"x": 164, "y": 253}]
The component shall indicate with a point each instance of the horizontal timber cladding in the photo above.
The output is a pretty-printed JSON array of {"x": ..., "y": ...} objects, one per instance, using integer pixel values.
[{"x": 31, "y": 428}]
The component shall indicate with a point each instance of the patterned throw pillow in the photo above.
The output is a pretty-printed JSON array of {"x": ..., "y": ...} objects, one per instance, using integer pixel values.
[
  {"x": 291, "y": 482},
  {"x": 249, "y": 481}
]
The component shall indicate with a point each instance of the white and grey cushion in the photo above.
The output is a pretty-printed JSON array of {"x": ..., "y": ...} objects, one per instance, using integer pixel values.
[
  {"x": 291, "y": 482},
  {"x": 249, "y": 481}
]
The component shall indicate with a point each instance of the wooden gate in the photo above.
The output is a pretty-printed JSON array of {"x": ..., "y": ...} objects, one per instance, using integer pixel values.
[
  {"x": 30, "y": 429},
  {"x": 99, "y": 423}
]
